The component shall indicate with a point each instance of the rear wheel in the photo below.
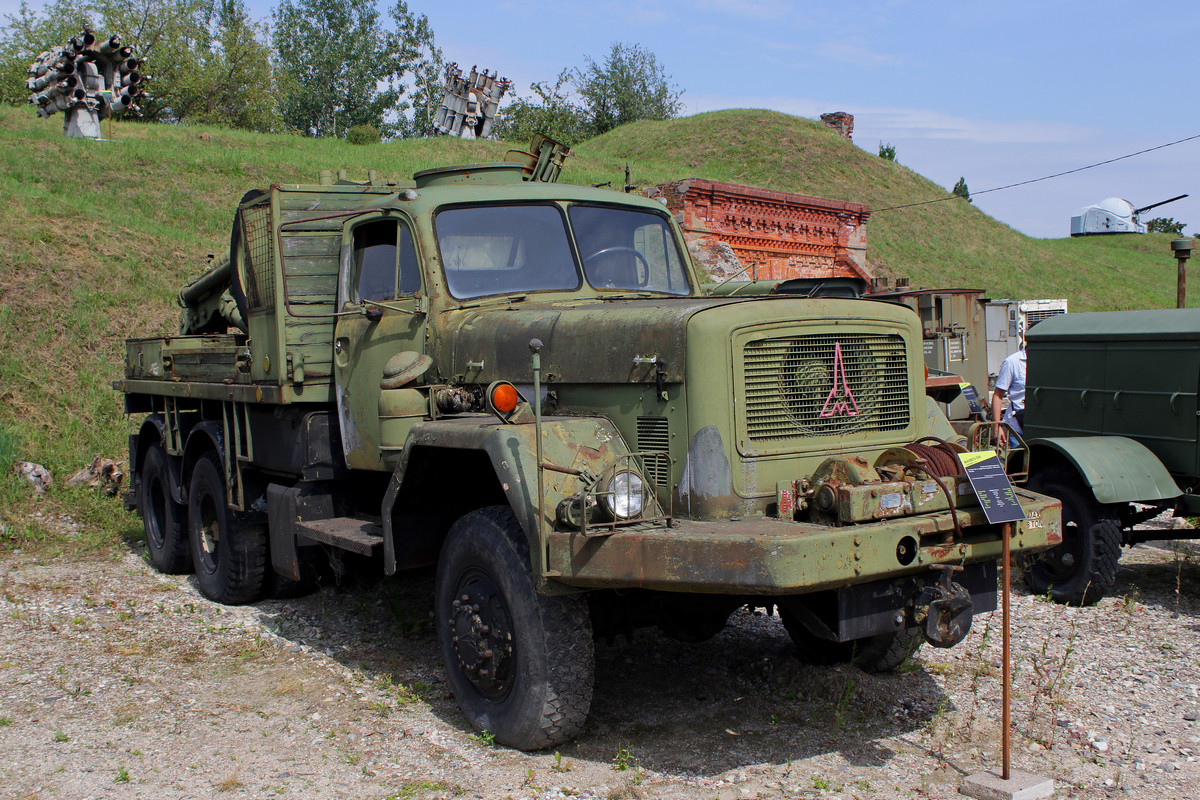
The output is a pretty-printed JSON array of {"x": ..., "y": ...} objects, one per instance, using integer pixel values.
[
  {"x": 880, "y": 653},
  {"x": 520, "y": 663},
  {"x": 165, "y": 520},
  {"x": 1083, "y": 568},
  {"x": 228, "y": 553}
]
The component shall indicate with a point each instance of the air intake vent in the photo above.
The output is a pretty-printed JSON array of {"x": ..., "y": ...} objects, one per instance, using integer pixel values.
[
  {"x": 259, "y": 267},
  {"x": 653, "y": 435},
  {"x": 824, "y": 385}
]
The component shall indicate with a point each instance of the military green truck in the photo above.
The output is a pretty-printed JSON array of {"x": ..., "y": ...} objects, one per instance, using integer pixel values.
[
  {"x": 1111, "y": 420},
  {"x": 520, "y": 382}
]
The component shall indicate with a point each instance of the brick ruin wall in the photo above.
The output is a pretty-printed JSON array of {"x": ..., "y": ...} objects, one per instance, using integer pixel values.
[{"x": 729, "y": 227}]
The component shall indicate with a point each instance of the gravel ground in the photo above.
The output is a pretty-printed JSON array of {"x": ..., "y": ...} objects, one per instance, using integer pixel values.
[{"x": 117, "y": 682}]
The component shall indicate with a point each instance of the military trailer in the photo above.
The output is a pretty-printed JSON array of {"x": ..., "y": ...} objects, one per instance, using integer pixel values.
[
  {"x": 1111, "y": 420},
  {"x": 521, "y": 382}
]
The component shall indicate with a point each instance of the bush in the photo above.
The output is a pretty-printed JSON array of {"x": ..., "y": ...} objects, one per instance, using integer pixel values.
[
  {"x": 887, "y": 151},
  {"x": 961, "y": 190},
  {"x": 1165, "y": 225},
  {"x": 363, "y": 134}
]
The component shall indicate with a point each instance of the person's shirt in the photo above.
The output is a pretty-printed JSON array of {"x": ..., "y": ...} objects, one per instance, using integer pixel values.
[{"x": 1011, "y": 381}]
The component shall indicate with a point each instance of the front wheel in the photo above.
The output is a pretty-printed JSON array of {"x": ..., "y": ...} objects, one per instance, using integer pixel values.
[
  {"x": 1083, "y": 568},
  {"x": 520, "y": 663}
]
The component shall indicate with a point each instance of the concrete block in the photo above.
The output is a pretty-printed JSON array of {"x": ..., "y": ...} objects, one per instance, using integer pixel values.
[{"x": 1019, "y": 786}]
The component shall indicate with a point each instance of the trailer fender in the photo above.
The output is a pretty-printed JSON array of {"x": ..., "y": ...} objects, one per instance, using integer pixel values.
[
  {"x": 154, "y": 431},
  {"x": 1118, "y": 469},
  {"x": 569, "y": 443}
]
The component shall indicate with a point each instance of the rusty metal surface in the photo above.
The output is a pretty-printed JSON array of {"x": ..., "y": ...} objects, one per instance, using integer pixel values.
[{"x": 766, "y": 556}]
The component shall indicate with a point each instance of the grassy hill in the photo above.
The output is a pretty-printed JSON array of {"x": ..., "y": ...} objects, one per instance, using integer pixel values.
[{"x": 98, "y": 238}]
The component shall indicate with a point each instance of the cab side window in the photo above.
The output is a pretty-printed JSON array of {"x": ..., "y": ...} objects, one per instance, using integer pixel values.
[{"x": 385, "y": 261}]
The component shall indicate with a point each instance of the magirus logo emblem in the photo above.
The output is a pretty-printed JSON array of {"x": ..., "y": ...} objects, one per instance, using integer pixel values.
[{"x": 839, "y": 403}]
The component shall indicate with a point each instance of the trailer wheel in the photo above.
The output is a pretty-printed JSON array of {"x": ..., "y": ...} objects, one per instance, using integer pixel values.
[
  {"x": 228, "y": 553},
  {"x": 881, "y": 653},
  {"x": 164, "y": 520},
  {"x": 520, "y": 663},
  {"x": 1083, "y": 568}
]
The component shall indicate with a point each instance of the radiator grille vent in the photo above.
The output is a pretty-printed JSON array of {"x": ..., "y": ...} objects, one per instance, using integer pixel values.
[
  {"x": 824, "y": 385},
  {"x": 653, "y": 434}
]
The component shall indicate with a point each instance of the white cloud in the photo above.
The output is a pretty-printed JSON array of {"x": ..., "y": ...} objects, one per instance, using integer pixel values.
[
  {"x": 905, "y": 123},
  {"x": 856, "y": 51},
  {"x": 756, "y": 9}
]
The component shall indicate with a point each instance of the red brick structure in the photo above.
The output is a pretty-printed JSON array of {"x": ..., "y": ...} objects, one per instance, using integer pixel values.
[
  {"x": 841, "y": 122},
  {"x": 728, "y": 226}
]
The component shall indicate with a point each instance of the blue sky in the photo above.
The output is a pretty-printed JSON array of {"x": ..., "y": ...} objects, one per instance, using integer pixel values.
[{"x": 993, "y": 92}]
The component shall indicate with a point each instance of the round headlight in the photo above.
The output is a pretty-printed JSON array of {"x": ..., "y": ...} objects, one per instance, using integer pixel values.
[{"x": 626, "y": 495}]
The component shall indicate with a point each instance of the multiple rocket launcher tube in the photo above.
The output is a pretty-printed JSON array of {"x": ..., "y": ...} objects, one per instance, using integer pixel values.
[{"x": 104, "y": 79}]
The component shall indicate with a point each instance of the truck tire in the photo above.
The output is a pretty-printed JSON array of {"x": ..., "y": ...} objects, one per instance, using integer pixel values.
[
  {"x": 520, "y": 663},
  {"x": 1083, "y": 568},
  {"x": 164, "y": 520},
  {"x": 229, "y": 554},
  {"x": 881, "y": 653}
]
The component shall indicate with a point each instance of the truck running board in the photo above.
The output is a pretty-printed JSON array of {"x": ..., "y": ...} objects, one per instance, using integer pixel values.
[{"x": 356, "y": 535}]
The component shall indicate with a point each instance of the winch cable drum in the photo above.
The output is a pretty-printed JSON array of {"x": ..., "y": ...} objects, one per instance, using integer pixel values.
[{"x": 938, "y": 460}]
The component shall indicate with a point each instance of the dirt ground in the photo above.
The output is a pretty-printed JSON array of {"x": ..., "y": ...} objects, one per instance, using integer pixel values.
[{"x": 117, "y": 682}]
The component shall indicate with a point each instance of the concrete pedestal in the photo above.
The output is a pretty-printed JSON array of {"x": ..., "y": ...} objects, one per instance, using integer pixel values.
[
  {"x": 1019, "y": 786},
  {"x": 82, "y": 123}
]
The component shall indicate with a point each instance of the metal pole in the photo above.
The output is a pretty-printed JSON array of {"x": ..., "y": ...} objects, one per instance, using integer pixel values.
[
  {"x": 1006, "y": 675},
  {"x": 535, "y": 349},
  {"x": 1181, "y": 290}
]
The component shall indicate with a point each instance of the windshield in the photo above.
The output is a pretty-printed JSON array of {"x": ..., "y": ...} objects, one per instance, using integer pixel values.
[
  {"x": 512, "y": 249},
  {"x": 626, "y": 249},
  {"x": 505, "y": 249}
]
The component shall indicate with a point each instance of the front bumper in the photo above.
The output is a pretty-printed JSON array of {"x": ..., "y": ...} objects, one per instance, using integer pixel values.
[{"x": 764, "y": 556}]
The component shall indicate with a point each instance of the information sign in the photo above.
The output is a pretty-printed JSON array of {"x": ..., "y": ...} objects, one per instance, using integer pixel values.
[
  {"x": 991, "y": 485},
  {"x": 970, "y": 394}
]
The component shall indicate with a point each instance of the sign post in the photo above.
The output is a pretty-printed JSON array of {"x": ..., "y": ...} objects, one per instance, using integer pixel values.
[{"x": 999, "y": 502}]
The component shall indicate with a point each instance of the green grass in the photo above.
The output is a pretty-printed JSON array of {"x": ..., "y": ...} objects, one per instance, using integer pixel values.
[{"x": 99, "y": 237}]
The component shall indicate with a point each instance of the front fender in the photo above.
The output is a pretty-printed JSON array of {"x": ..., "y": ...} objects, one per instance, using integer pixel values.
[
  {"x": 573, "y": 443},
  {"x": 1118, "y": 470}
]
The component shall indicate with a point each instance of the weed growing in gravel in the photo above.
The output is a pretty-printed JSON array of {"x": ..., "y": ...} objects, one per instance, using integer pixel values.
[
  {"x": 1050, "y": 671},
  {"x": 559, "y": 765},
  {"x": 413, "y": 789},
  {"x": 60, "y": 737},
  {"x": 624, "y": 760},
  {"x": 819, "y": 783},
  {"x": 842, "y": 709},
  {"x": 486, "y": 737},
  {"x": 122, "y": 775},
  {"x": 229, "y": 784},
  {"x": 8, "y": 721}
]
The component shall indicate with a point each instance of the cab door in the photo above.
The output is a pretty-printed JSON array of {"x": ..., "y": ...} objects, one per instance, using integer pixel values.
[{"x": 379, "y": 295}]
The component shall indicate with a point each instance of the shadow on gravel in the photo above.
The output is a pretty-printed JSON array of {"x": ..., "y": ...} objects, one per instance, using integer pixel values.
[{"x": 741, "y": 698}]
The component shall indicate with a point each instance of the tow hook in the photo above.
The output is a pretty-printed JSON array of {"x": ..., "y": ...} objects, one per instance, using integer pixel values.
[{"x": 945, "y": 609}]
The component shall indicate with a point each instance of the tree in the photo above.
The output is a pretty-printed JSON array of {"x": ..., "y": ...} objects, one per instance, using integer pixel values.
[
  {"x": 423, "y": 84},
  {"x": 344, "y": 68},
  {"x": 960, "y": 190},
  {"x": 1165, "y": 225},
  {"x": 630, "y": 85},
  {"x": 230, "y": 79},
  {"x": 548, "y": 111},
  {"x": 887, "y": 151},
  {"x": 27, "y": 34},
  {"x": 169, "y": 34}
]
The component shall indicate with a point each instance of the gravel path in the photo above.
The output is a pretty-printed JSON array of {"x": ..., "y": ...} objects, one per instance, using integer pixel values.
[{"x": 119, "y": 682}]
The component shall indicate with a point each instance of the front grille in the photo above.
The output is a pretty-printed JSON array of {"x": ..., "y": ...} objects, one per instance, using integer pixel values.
[
  {"x": 824, "y": 385},
  {"x": 1034, "y": 317},
  {"x": 653, "y": 435}
]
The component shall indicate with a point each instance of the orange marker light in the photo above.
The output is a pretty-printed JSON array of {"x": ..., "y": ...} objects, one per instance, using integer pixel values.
[{"x": 505, "y": 398}]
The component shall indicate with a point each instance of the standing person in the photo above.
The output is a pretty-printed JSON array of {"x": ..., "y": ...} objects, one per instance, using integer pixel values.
[{"x": 1010, "y": 383}]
